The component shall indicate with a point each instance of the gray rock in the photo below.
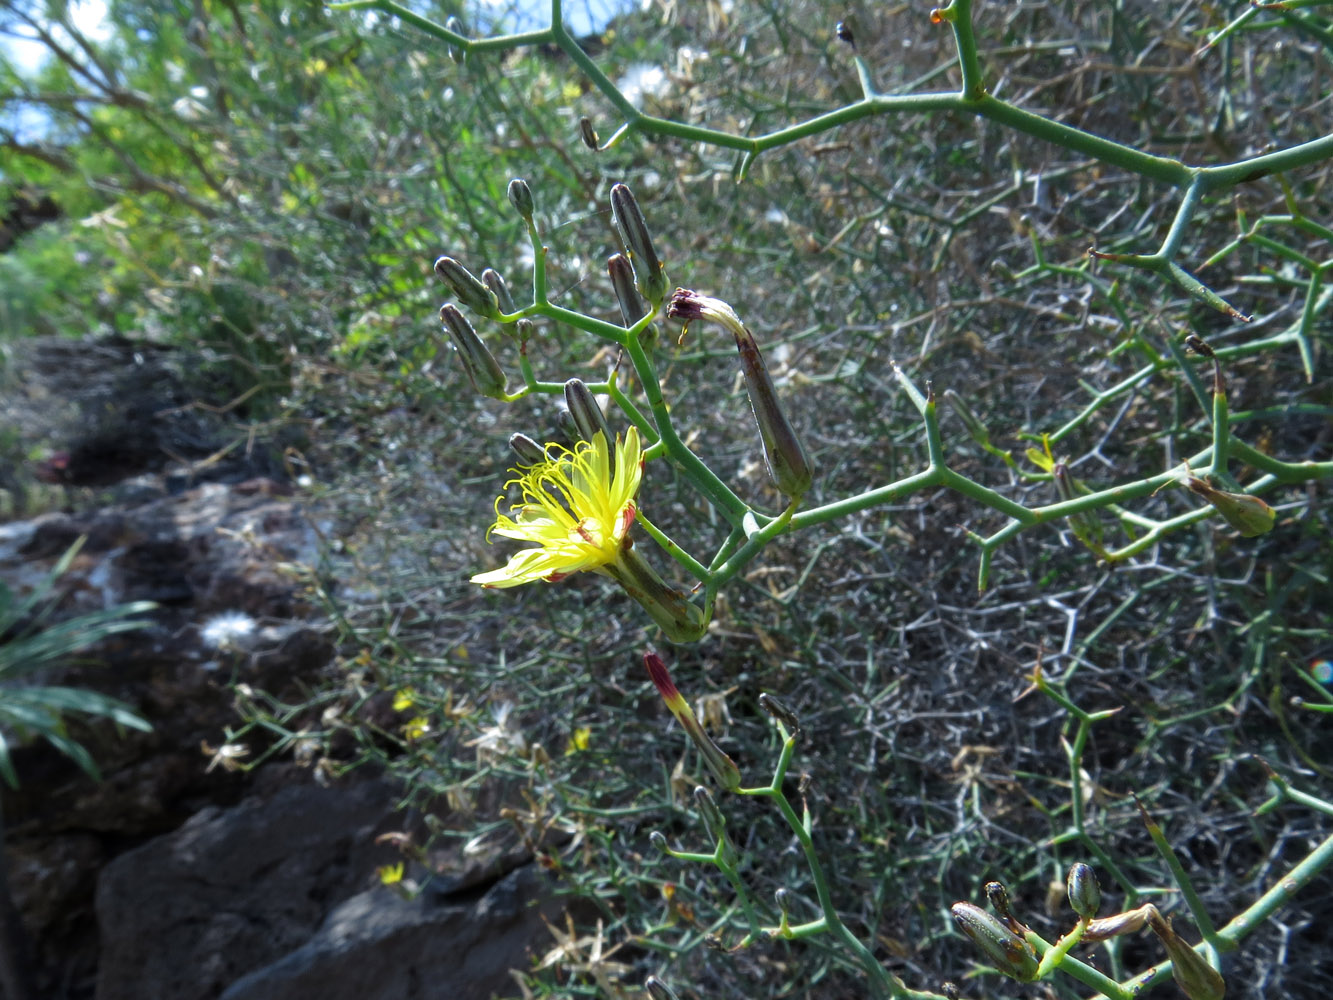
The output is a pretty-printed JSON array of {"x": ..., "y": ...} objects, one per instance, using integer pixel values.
[
  {"x": 379, "y": 946},
  {"x": 188, "y": 913}
]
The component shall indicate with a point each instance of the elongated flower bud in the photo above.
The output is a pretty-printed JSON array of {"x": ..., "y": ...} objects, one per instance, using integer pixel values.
[
  {"x": 675, "y": 615},
  {"x": 998, "y": 897},
  {"x": 722, "y": 766},
  {"x": 495, "y": 281},
  {"x": 588, "y": 416},
  {"x": 468, "y": 287},
  {"x": 783, "y": 898},
  {"x": 1192, "y": 973},
  {"x": 975, "y": 428},
  {"x": 1085, "y": 895},
  {"x": 649, "y": 272},
  {"x": 520, "y": 196},
  {"x": 529, "y": 452},
  {"x": 658, "y": 839},
  {"x": 781, "y": 713},
  {"x": 658, "y": 990},
  {"x": 787, "y": 463},
  {"x": 456, "y": 53},
  {"x": 588, "y": 134},
  {"x": 487, "y": 377},
  {"x": 1085, "y": 524},
  {"x": 1008, "y": 952},
  {"x": 1247, "y": 514},
  {"x": 714, "y": 822}
]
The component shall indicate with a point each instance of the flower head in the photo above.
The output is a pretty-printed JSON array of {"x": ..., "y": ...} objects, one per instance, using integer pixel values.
[{"x": 577, "y": 506}]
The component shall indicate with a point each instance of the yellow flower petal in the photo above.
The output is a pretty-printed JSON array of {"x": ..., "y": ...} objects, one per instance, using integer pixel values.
[{"x": 577, "y": 507}]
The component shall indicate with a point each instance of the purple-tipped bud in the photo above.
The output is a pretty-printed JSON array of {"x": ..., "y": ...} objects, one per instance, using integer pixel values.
[
  {"x": 471, "y": 291},
  {"x": 495, "y": 281},
  {"x": 781, "y": 713},
  {"x": 588, "y": 416},
  {"x": 1008, "y": 952},
  {"x": 787, "y": 463},
  {"x": 529, "y": 452},
  {"x": 487, "y": 377},
  {"x": 588, "y": 134},
  {"x": 649, "y": 272},
  {"x": 520, "y": 196},
  {"x": 1085, "y": 895}
]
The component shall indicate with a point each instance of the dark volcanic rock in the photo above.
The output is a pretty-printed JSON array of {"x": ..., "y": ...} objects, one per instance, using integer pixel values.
[{"x": 232, "y": 890}]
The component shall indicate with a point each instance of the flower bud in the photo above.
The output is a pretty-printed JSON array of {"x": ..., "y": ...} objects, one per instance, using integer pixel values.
[
  {"x": 781, "y": 713},
  {"x": 722, "y": 766},
  {"x": 487, "y": 377},
  {"x": 1008, "y": 952},
  {"x": 658, "y": 990},
  {"x": 588, "y": 134},
  {"x": 783, "y": 898},
  {"x": 495, "y": 281},
  {"x": 622, "y": 280},
  {"x": 564, "y": 422},
  {"x": 588, "y": 416},
  {"x": 525, "y": 328},
  {"x": 675, "y": 615},
  {"x": 1085, "y": 895},
  {"x": 787, "y": 463},
  {"x": 658, "y": 840},
  {"x": 520, "y": 196},
  {"x": 998, "y": 897},
  {"x": 1086, "y": 526},
  {"x": 714, "y": 822},
  {"x": 456, "y": 53},
  {"x": 469, "y": 289},
  {"x": 529, "y": 451},
  {"x": 1247, "y": 514},
  {"x": 649, "y": 272},
  {"x": 975, "y": 428},
  {"x": 1192, "y": 973}
]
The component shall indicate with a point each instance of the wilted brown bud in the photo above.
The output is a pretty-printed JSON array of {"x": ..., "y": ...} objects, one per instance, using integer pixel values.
[
  {"x": 781, "y": 713},
  {"x": 787, "y": 461},
  {"x": 649, "y": 272},
  {"x": 471, "y": 291},
  {"x": 1247, "y": 514},
  {"x": 588, "y": 134},
  {"x": 1008, "y": 952},
  {"x": 487, "y": 377},
  {"x": 1105, "y": 928},
  {"x": 1198, "y": 979}
]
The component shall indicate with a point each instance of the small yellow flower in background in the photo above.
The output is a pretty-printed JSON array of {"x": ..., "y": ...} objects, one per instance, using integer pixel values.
[
  {"x": 404, "y": 699},
  {"x": 577, "y": 507},
  {"x": 391, "y": 874},
  {"x": 416, "y": 728},
  {"x": 578, "y": 740}
]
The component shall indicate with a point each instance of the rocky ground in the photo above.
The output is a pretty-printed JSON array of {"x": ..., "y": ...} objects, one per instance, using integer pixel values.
[{"x": 180, "y": 876}]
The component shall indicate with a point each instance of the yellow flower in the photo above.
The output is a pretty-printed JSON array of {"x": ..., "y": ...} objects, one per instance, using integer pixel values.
[
  {"x": 390, "y": 874},
  {"x": 577, "y": 506}
]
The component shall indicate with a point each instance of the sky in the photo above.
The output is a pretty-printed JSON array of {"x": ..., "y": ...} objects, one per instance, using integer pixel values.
[{"x": 88, "y": 16}]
